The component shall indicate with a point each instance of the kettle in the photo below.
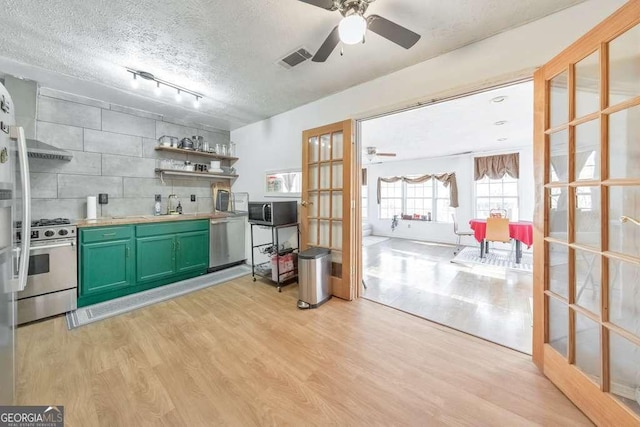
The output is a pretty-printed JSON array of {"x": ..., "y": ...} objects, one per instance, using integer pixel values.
[{"x": 186, "y": 144}]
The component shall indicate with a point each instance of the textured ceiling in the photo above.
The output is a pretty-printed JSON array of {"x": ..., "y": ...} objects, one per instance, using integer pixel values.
[
  {"x": 228, "y": 50},
  {"x": 461, "y": 125}
]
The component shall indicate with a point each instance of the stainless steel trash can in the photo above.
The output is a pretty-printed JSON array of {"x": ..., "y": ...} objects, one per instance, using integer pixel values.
[{"x": 314, "y": 277}]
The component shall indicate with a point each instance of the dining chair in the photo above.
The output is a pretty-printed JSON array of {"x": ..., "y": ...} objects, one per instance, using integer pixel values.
[
  {"x": 497, "y": 231},
  {"x": 498, "y": 213},
  {"x": 459, "y": 233}
]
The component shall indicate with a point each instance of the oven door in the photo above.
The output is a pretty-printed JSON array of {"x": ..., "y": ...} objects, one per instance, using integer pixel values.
[{"x": 52, "y": 267}]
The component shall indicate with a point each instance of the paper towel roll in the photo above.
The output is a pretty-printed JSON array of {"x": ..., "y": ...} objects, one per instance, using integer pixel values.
[{"x": 91, "y": 207}]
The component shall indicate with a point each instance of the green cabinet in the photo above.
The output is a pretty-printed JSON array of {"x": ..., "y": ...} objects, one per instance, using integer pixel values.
[
  {"x": 117, "y": 261},
  {"x": 155, "y": 257},
  {"x": 106, "y": 262},
  {"x": 192, "y": 251}
]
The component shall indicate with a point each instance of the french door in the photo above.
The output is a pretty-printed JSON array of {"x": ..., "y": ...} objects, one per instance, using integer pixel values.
[
  {"x": 329, "y": 191},
  {"x": 587, "y": 229}
]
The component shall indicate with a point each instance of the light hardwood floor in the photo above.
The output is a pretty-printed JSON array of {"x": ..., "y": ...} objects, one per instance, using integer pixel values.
[
  {"x": 419, "y": 278},
  {"x": 243, "y": 354}
]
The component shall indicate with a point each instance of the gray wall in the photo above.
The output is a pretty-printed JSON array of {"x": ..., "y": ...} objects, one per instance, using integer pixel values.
[{"x": 113, "y": 152}]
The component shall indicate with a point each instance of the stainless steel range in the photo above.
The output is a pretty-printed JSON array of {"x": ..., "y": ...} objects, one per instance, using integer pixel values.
[{"x": 52, "y": 280}]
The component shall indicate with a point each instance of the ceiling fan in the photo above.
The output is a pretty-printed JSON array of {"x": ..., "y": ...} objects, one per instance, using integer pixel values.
[
  {"x": 373, "y": 154},
  {"x": 354, "y": 25}
]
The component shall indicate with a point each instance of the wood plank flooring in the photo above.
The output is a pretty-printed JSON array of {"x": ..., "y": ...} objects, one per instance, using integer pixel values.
[
  {"x": 419, "y": 278},
  {"x": 243, "y": 354}
]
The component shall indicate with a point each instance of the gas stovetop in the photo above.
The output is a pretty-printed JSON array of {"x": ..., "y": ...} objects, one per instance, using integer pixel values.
[
  {"x": 49, "y": 229},
  {"x": 46, "y": 222}
]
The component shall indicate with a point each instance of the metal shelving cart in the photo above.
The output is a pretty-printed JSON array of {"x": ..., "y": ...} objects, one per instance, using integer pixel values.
[{"x": 264, "y": 269}]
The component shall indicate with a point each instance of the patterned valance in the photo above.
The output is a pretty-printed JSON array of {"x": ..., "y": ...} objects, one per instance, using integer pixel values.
[
  {"x": 448, "y": 179},
  {"x": 495, "y": 167}
]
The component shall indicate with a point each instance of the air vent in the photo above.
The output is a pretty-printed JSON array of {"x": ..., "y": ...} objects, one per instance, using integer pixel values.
[{"x": 295, "y": 58}]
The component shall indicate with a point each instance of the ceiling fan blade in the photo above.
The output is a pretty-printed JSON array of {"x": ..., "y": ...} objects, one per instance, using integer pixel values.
[
  {"x": 392, "y": 31},
  {"x": 325, "y": 4},
  {"x": 386, "y": 154},
  {"x": 327, "y": 47}
]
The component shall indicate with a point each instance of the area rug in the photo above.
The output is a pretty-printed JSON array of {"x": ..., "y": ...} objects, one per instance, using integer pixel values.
[
  {"x": 495, "y": 258},
  {"x": 373, "y": 240},
  {"x": 93, "y": 313}
]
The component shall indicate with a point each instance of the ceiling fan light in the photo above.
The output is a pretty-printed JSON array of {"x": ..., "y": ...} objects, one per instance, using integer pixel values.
[{"x": 352, "y": 29}]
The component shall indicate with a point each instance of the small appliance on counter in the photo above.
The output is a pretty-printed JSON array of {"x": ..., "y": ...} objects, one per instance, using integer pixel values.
[
  {"x": 52, "y": 279},
  {"x": 273, "y": 213},
  {"x": 221, "y": 193}
]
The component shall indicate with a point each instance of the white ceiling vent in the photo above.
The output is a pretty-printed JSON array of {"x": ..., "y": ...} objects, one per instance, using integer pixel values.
[{"x": 295, "y": 58}]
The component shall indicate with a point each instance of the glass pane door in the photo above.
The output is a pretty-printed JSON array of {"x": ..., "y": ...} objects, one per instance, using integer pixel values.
[
  {"x": 327, "y": 200},
  {"x": 588, "y": 147}
]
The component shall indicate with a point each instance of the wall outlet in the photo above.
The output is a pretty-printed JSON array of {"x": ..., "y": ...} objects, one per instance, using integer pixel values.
[
  {"x": 193, "y": 197},
  {"x": 103, "y": 198}
]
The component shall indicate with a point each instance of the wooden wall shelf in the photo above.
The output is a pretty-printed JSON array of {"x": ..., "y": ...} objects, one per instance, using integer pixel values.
[
  {"x": 195, "y": 174},
  {"x": 196, "y": 153}
]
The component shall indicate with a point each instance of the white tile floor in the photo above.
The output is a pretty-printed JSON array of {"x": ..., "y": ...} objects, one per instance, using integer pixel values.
[{"x": 419, "y": 278}]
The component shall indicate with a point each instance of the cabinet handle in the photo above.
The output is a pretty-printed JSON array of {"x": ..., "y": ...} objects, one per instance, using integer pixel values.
[
  {"x": 126, "y": 251},
  {"x": 108, "y": 234},
  {"x": 178, "y": 245},
  {"x": 625, "y": 218}
]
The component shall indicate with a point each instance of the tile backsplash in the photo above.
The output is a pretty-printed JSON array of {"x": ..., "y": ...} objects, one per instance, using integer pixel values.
[{"x": 113, "y": 152}]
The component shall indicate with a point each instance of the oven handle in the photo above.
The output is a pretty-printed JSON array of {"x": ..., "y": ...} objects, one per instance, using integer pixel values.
[{"x": 57, "y": 245}]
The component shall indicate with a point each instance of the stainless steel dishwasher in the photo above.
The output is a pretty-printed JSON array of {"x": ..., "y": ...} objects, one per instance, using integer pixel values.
[{"x": 227, "y": 242}]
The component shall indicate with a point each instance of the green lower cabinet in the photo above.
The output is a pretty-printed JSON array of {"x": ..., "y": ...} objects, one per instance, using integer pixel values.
[
  {"x": 155, "y": 258},
  {"x": 106, "y": 267},
  {"x": 192, "y": 251},
  {"x": 120, "y": 260}
]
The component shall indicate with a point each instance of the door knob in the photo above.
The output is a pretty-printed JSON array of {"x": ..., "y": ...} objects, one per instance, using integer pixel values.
[
  {"x": 305, "y": 203},
  {"x": 625, "y": 218}
]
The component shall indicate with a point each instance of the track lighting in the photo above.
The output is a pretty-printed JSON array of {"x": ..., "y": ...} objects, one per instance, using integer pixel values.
[{"x": 135, "y": 83}]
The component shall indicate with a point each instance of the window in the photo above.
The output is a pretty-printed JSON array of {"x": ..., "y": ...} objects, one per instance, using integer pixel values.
[
  {"x": 429, "y": 199},
  {"x": 419, "y": 198},
  {"x": 443, "y": 209},
  {"x": 390, "y": 199},
  {"x": 497, "y": 194}
]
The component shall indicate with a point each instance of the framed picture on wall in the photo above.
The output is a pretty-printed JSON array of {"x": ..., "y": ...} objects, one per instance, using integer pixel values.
[{"x": 283, "y": 183}]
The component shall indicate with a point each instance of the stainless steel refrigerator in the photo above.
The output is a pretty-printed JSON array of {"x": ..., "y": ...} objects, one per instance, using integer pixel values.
[{"x": 15, "y": 205}]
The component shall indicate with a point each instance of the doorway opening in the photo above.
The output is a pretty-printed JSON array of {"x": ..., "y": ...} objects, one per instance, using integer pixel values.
[{"x": 447, "y": 210}]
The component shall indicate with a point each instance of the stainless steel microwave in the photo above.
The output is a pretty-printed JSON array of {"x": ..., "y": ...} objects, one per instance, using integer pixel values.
[{"x": 273, "y": 213}]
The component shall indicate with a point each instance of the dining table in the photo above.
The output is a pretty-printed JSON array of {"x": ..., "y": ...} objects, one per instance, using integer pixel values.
[{"x": 520, "y": 231}]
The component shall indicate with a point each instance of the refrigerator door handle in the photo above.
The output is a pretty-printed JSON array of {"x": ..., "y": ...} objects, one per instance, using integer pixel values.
[{"x": 17, "y": 133}]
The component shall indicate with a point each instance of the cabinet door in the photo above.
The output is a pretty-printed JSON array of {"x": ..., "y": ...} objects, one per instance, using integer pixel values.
[
  {"x": 155, "y": 257},
  {"x": 106, "y": 267},
  {"x": 192, "y": 251}
]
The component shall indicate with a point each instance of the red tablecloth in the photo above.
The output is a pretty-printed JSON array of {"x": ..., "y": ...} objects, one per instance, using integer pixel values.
[{"x": 521, "y": 230}]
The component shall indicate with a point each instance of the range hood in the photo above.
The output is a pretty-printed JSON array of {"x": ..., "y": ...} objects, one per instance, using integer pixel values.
[
  {"x": 25, "y": 103},
  {"x": 40, "y": 150}
]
